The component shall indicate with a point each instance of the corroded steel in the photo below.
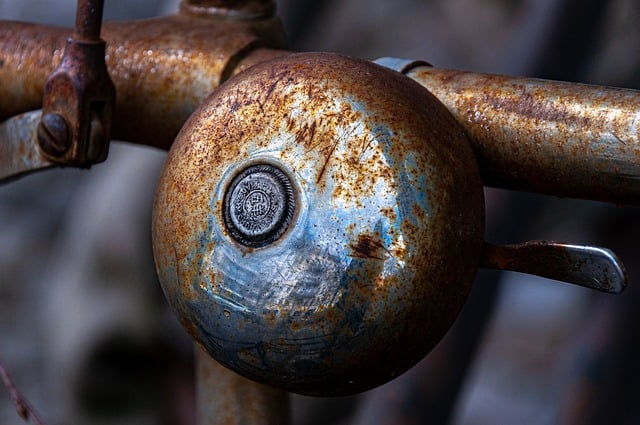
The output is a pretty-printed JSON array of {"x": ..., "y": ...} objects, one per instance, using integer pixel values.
[
  {"x": 257, "y": 56},
  {"x": 162, "y": 68},
  {"x": 363, "y": 282},
  {"x": 556, "y": 138},
  {"x": 384, "y": 230},
  {"x": 235, "y": 9},
  {"x": 88, "y": 20},
  {"x": 225, "y": 398},
  {"x": 19, "y": 150},
  {"x": 563, "y": 139},
  {"x": 77, "y": 106}
]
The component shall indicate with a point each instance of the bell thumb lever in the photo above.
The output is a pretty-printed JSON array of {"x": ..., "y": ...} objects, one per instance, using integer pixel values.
[{"x": 591, "y": 267}]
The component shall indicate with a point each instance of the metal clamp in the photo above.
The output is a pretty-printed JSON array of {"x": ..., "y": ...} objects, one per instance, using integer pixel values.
[{"x": 77, "y": 107}]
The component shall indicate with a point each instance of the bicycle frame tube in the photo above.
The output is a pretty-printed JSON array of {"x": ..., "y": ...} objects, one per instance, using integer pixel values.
[
  {"x": 534, "y": 135},
  {"x": 162, "y": 68}
]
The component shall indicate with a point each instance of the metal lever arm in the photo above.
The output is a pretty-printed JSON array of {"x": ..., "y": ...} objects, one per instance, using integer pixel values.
[
  {"x": 591, "y": 267},
  {"x": 19, "y": 149}
]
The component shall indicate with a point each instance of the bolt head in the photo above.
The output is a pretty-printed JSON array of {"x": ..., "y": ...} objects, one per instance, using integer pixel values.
[{"x": 53, "y": 134}]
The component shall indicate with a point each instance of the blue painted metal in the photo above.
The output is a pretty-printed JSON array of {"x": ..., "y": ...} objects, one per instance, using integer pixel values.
[{"x": 362, "y": 284}]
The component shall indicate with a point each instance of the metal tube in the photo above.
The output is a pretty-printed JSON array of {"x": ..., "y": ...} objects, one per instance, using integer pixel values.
[
  {"x": 89, "y": 20},
  {"x": 548, "y": 137},
  {"x": 564, "y": 139},
  {"x": 162, "y": 68},
  {"x": 226, "y": 398},
  {"x": 235, "y": 9}
]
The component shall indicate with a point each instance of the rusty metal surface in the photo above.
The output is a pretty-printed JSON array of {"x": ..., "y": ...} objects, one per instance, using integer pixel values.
[
  {"x": 548, "y": 137},
  {"x": 234, "y": 9},
  {"x": 226, "y": 398},
  {"x": 563, "y": 139},
  {"x": 19, "y": 149},
  {"x": 257, "y": 56},
  {"x": 88, "y": 20},
  {"x": 591, "y": 267},
  {"x": 162, "y": 68},
  {"x": 79, "y": 96},
  {"x": 385, "y": 239},
  {"x": 28, "y": 54}
]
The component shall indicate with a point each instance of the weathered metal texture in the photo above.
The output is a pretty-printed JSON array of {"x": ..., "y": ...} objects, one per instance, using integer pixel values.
[
  {"x": 258, "y": 56},
  {"x": 225, "y": 398},
  {"x": 591, "y": 267},
  {"x": 235, "y": 9},
  {"x": 162, "y": 68},
  {"x": 563, "y": 139},
  {"x": 28, "y": 54},
  {"x": 555, "y": 138},
  {"x": 385, "y": 239},
  {"x": 79, "y": 96},
  {"x": 88, "y": 20},
  {"x": 19, "y": 149}
]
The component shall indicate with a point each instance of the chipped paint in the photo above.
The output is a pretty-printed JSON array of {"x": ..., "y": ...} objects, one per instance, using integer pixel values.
[{"x": 385, "y": 240}]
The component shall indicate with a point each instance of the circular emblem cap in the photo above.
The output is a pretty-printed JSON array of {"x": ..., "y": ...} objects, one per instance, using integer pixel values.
[{"x": 258, "y": 205}]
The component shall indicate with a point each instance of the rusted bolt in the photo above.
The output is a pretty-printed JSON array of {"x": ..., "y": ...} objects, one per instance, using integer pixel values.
[
  {"x": 259, "y": 205},
  {"x": 53, "y": 134}
]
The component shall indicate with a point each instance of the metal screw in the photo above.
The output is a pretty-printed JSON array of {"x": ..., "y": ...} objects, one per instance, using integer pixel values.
[{"x": 53, "y": 134}]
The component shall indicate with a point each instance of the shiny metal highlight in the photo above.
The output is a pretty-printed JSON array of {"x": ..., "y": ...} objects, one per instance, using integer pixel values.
[
  {"x": 591, "y": 267},
  {"x": 363, "y": 283},
  {"x": 19, "y": 149},
  {"x": 563, "y": 139}
]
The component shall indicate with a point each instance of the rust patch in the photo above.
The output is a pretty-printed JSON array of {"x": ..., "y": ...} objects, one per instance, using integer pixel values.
[
  {"x": 369, "y": 247},
  {"x": 163, "y": 68},
  {"x": 326, "y": 161},
  {"x": 372, "y": 149},
  {"x": 548, "y": 137}
]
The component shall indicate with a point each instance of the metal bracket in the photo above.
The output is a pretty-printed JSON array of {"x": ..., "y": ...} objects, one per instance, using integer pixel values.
[{"x": 78, "y": 100}]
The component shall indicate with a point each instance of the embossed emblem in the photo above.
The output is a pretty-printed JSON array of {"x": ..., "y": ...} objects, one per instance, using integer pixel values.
[{"x": 259, "y": 205}]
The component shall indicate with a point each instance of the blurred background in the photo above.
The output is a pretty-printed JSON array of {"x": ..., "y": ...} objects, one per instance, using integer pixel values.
[{"x": 88, "y": 338}]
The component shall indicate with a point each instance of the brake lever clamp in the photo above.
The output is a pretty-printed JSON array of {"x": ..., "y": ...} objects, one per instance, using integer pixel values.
[{"x": 79, "y": 96}]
